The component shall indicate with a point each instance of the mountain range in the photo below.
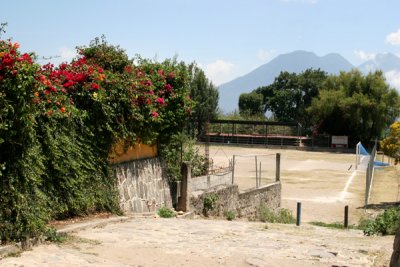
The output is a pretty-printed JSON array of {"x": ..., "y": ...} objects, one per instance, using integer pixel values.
[{"x": 297, "y": 62}]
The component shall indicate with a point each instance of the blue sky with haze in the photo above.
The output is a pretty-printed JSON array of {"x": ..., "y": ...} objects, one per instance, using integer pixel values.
[{"x": 227, "y": 38}]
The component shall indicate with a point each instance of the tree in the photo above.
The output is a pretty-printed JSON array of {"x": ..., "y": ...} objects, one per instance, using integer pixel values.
[
  {"x": 361, "y": 107},
  {"x": 391, "y": 144},
  {"x": 205, "y": 95},
  {"x": 251, "y": 104},
  {"x": 291, "y": 94}
]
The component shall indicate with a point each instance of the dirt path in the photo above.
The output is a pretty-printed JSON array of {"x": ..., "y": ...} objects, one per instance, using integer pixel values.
[{"x": 181, "y": 242}]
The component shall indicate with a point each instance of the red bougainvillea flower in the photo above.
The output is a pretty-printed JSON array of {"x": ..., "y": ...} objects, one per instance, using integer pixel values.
[
  {"x": 154, "y": 114},
  {"x": 161, "y": 73},
  {"x": 128, "y": 69},
  {"x": 147, "y": 83},
  {"x": 68, "y": 84},
  {"x": 160, "y": 101},
  {"x": 168, "y": 87},
  {"x": 95, "y": 86},
  {"x": 8, "y": 61}
]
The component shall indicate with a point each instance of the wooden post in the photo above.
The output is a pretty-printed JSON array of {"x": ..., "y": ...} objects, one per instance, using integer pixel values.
[
  {"x": 184, "y": 199},
  {"x": 256, "y": 172},
  {"x": 233, "y": 169},
  {"x": 278, "y": 167},
  {"x": 346, "y": 216}
]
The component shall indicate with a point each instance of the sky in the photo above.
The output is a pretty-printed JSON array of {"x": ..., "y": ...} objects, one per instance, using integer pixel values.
[{"x": 227, "y": 39}]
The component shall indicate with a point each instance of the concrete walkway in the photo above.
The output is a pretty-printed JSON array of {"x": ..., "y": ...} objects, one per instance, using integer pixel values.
[{"x": 183, "y": 242}]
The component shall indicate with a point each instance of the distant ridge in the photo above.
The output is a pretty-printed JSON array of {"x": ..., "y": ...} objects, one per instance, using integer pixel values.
[
  {"x": 296, "y": 61},
  {"x": 385, "y": 62}
]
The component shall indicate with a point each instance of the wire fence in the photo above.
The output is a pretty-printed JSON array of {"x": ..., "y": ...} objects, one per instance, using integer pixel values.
[
  {"x": 254, "y": 171},
  {"x": 221, "y": 176}
]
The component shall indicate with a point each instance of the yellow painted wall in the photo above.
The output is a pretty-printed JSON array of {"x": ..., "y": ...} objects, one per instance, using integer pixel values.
[{"x": 138, "y": 151}]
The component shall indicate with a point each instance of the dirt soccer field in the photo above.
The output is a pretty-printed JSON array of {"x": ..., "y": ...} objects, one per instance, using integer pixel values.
[{"x": 323, "y": 182}]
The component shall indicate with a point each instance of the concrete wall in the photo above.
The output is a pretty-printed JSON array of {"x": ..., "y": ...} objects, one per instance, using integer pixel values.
[
  {"x": 142, "y": 185},
  {"x": 243, "y": 204}
]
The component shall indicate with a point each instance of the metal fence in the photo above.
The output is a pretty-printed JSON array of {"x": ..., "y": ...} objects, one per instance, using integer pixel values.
[
  {"x": 370, "y": 175},
  {"x": 255, "y": 171},
  {"x": 211, "y": 180}
]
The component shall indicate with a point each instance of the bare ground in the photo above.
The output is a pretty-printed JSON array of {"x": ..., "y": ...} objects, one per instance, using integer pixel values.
[
  {"x": 323, "y": 182},
  {"x": 200, "y": 242}
]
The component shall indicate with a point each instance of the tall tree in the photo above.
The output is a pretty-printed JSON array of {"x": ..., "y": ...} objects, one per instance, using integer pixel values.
[
  {"x": 205, "y": 95},
  {"x": 251, "y": 104},
  {"x": 361, "y": 107},
  {"x": 291, "y": 94}
]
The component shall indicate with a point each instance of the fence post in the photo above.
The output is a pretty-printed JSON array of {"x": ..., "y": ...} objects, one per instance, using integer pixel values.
[
  {"x": 184, "y": 199},
  {"x": 233, "y": 169},
  {"x": 298, "y": 215},
  {"x": 259, "y": 176},
  {"x": 256, "y": 172},
  {"x": 278, "y": 167},
  {"x": 346, "y": 216}
]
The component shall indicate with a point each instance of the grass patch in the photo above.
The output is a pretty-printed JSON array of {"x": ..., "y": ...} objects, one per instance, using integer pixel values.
[
  {"x": 335, "y": 225},
  {"x": 280, "y": 216}
]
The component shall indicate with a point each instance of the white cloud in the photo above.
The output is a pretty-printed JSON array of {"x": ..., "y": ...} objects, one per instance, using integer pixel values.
[
  {"x": 393, "y": 78},
  {"x": 300, "y": 1},
  {"x": 364, "y": 55},
  {"x": 67, "y": 54},
  {"x": 220, "y": 71},
  {"x": 264, "y": 55},
  {"x": 393, "y": 38}
]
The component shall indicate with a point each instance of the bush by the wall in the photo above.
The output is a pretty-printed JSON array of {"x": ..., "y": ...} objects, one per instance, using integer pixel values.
[
  {"x": 385, "y": 223},
  {"x": 58, "y": 125}
]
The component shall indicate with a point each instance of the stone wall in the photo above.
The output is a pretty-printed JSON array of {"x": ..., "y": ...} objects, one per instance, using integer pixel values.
[
  {"x": 142, "y": 185},
  {"x": 242, "y": 204}
]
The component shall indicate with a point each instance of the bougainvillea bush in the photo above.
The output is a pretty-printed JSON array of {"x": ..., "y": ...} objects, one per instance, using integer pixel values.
[{"x": 59, "y": 123}]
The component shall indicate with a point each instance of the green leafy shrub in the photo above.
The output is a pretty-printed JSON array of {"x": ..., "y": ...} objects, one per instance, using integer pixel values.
[
  {"x": 165, "y": 212},
  {"x": 182, "y": 148},
  {"x": 230, "y": 215},
  {"x": 281, "y": 216},
  {"x": 209, "y": 202},
  {"x": 385, "y": 223}
]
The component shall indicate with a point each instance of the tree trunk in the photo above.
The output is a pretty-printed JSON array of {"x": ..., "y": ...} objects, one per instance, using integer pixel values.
[{"x": 395, "y": 259}]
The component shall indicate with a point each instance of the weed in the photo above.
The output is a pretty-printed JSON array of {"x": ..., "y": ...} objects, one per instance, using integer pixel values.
[
  {"x": 385, "y": 223},
  {"x": 230, "y": 215},
  {"x": 165, "y": 212},
  {"x": 335, "y": 225},
  {"x": 52, "y": 236},
  {"x": 209, "y": 202},
  {"x": 281, "y": 216}
]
